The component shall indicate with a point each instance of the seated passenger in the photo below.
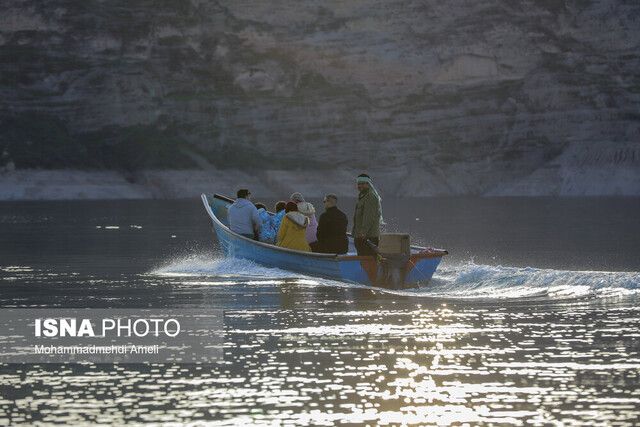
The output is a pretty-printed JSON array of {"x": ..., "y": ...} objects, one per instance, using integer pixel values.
[
  {"x": 243, "y": 216},
  {"x": 313, "y": 222},
  {"x": 277, "y": 218},
  {"x": 332, "y": 229},
  {"x": 266, "y": 233},
  {"x": 292, "y": 230}
]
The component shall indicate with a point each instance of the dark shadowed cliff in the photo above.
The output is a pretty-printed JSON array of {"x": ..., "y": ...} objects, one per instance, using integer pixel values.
[{"x": 458, "y": 97}]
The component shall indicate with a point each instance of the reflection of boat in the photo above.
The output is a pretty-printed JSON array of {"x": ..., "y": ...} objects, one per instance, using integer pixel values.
[{"x": 389, "y": 270}]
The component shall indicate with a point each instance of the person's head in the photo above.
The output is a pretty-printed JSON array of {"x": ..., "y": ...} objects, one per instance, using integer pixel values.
[
  {"x": 297, "y": 197},
  {"x": 330, "y": 201},
  {"x": 291, "y": 207},
  {"x": 280, "y": 205},
  {"x": 243, "y": 193},
  {"x": 364, "y": 181},
  {"x": 260, "y": 206},
  {"x": 306, "y": 209}
]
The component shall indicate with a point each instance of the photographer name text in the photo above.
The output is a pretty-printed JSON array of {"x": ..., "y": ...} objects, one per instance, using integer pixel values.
[{"x": 94, "y": 349}]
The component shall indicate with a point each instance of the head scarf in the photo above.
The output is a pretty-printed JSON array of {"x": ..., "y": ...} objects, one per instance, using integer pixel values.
[
  {"x": 297, "y": 197},
  {"x": 291, "y": 207},
  {"x": 368, "y": 180},
  {"x": 306, "y": 208}
]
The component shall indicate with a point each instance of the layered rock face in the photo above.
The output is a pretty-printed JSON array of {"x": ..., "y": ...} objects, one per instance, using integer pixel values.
[{"x": 458, "y": 97}]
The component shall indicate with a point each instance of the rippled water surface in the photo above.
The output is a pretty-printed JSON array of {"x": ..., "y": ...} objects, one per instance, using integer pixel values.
[{"x": 532, "y": 320}]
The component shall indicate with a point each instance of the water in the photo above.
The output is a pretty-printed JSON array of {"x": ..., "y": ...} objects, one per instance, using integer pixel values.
[{"x": 531, "y": 320}]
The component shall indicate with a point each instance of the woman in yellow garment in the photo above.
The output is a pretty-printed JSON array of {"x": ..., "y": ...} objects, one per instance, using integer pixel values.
[{"x": 292, "y": 233}]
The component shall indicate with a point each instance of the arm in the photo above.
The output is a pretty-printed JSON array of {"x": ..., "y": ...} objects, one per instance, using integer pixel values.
[
  {"x": 344, "y": 224},
  {"x": 353, "y": 228},
  {"x": 255, "y": 218},
  {"x": 282, "y": 231},
  {"x": 276, "y": 223},
  {"x": 321, "y": 226}
]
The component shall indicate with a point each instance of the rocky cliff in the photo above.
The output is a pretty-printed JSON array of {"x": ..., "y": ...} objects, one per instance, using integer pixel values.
[{"x": 458, "y": 97}]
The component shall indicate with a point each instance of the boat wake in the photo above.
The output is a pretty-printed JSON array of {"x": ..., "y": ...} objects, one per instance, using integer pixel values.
[
  {"x": 211, "y": 264},
  {"x": 468, "y": 281},
  {"x": 471, "y": 281}
]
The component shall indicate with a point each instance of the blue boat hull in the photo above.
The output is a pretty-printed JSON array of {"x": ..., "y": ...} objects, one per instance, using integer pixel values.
[{"x": 348, "y": 267}]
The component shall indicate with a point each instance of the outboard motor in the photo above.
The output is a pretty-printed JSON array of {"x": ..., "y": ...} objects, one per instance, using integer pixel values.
[{"x": 394, "y": 253}]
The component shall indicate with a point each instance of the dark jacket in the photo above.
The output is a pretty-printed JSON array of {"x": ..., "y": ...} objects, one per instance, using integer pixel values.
[
  {"x": 332, "y": 232},
  {"x": 366, "y": 218}
]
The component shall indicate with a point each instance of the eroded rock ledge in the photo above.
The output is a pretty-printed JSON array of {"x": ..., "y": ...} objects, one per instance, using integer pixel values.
[{"x": 551, "y": 180}]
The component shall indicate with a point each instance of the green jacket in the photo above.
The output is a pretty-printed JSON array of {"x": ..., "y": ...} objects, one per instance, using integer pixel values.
[{"x": 367, "y": 216}]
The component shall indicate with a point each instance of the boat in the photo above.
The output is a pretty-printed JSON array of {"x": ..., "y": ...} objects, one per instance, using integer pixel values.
[{"x": 388, "y": 270}]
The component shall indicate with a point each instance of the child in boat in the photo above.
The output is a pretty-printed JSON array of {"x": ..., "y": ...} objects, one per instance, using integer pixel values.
[
  {"x": 266, "y": 233},
  {"x": 292, "y": 233}
]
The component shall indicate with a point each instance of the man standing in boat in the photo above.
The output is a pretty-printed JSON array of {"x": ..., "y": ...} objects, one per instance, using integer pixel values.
[
  {"x": 243, "y": 215},
  {"x": 367, "y": 218}
]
